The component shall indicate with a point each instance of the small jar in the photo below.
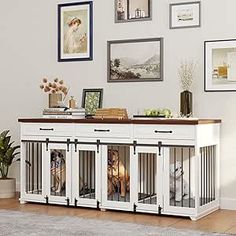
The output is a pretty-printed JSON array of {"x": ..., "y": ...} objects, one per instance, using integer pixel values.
[{"x": 72, "y": 103}]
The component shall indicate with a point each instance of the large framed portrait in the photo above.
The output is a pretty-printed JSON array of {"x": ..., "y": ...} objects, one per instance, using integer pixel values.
[
  {"x": 135, "y": 60},
  {"x": 92, "y": 100},
  {"x": 75, "y": 31},
  {"x": 185, "y": 15},
  {"x": 132, "y": 10},
  {"x": 220, "y": 65}
]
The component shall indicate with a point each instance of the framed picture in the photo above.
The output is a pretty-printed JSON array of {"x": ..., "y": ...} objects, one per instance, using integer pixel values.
[
  {"x": 75, "y": 31},
  {"x": 92, "y": 100},
  {"x": 185, "y": 15},
  {"x": 135, "y": 60},
  {"x": 132, "y": 10},
  {"x": 220, "y": 65}
]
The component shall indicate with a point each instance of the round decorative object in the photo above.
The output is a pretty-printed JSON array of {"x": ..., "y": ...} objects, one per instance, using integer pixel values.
[
  {"x": 186, "y": 103},
  {"x": 7, "y": 188}
]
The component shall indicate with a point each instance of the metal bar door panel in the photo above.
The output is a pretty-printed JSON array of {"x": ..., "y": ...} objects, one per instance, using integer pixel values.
[
  {"x": 58, "y": 173},
  {"x": 86, "y": 176},
  {"x": 148, "y": 179}
]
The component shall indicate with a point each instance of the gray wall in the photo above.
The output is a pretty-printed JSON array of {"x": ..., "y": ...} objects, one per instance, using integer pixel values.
[{"x": 28, "y": 51}]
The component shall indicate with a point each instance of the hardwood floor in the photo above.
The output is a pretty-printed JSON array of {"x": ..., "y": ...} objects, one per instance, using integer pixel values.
[{"x": 221, "y": 221}]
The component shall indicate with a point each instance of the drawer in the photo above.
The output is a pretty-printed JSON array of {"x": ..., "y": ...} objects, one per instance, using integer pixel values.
[
  {"x": 164, "y": 131},
  {"x": 103, "y": 131},
  {"x": 32, "y": 129}
]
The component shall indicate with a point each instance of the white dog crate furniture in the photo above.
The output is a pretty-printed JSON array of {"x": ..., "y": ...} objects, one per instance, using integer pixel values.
[{"x": 160, "y": 166}]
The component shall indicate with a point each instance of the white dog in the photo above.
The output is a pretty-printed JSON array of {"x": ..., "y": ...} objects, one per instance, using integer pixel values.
[{"x": 176, "y": 171}]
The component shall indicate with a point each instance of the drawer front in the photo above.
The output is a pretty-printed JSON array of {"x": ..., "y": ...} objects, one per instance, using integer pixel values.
[
  {"x": 47, "y": 129},
  {"x": 164, "y": 131},
  {"x": 103, "y": 131}
]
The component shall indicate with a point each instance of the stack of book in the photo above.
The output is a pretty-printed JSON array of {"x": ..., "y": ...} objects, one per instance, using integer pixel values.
[{"x": 64, "y": 113}]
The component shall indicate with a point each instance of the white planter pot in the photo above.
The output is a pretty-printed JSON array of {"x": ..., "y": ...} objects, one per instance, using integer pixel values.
[{"x": 7, "y": 188}]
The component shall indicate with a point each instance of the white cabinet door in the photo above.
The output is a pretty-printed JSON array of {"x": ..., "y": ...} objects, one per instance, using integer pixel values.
[
  {"x": 32, "y": 168},
  {"x": 57, "y": 173},
  {"x": 117, "y": 177},
  {"x": 179, "y": 180},
  {"x": 86, "y": 166},
  {"x": 148, "y": 179}
]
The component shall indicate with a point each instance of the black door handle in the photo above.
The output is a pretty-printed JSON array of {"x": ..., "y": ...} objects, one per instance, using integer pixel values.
[
  {"x": 163, "y": 131},
  {"x": 44, "y": 129},
  {"x": 101, "y": 130}
]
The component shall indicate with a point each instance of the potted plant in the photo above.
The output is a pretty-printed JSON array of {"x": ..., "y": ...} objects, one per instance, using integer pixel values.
[
  {"x": 186, "y": 75},
  {"x": 8, "y": 152}
]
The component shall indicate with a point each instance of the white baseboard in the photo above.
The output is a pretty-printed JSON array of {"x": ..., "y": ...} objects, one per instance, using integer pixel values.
[{"x": 228, "y": 203}]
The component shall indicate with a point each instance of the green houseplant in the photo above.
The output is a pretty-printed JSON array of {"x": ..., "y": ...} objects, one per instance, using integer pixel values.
[{"x": 8, "y": 152}]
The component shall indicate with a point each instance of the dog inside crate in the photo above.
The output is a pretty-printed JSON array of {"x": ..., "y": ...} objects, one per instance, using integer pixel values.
[
  {"x": 118, "y": 186},
  {"x": 58, "y": 172},
  {"x": 181, "y": 177}
]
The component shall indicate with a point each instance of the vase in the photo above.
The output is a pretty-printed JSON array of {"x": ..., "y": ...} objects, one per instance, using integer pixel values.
[
  {"x": 54, "y": 99},
  {"x": 186, "y": 103}
]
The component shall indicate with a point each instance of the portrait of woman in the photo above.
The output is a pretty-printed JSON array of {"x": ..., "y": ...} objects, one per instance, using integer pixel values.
[
  {"x": 75, "y": 31},
  {"x": 74, "y": 41}
]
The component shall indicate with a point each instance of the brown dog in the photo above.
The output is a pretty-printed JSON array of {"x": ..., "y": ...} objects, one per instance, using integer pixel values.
[{"x": 117, "y": 174}]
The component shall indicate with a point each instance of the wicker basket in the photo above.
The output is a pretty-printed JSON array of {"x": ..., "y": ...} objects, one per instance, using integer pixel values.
[{"x": 111, "y": 113}]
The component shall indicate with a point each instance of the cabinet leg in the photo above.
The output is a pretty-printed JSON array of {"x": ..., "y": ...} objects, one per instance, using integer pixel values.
[
  {"x": 103, "y": 209},
  {"x": 193, "y": 218},
  {"x": 22, "y": 202}
]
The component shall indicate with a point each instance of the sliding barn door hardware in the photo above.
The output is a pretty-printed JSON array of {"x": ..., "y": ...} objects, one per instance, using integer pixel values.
[
  {"x": 135, "y": 145},
  {"x": 98, "y": 205},
  {"x": 159, "y": 148},
  {"x": 67, "y": 201},
  {"x": 46, "y": 198},
  {"x": 76, "y": 143},
  {"x": 98, "y": 144},
  {"x": 68, "y": 144},
  {"x": 75, "y": 202},
  {"x": 47, "y": 142}
]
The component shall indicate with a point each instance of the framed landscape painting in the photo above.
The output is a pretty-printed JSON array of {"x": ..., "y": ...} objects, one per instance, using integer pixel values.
[
  {"x": 75, "y": 31},
  {"x": 135, "y": 60},
  {"x": 132, "y": 10},
  {"x": 185, "y": 15},
  {"x": 220, "y": 65}
]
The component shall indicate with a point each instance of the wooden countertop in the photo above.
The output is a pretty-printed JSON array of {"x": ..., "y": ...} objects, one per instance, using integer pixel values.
[{"x": 169, "y": 121}]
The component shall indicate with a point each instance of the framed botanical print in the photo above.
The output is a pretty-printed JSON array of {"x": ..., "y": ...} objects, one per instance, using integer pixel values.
[
  {"x": 75, "y": 31},
  {"x": 132, "y": 10},
  {"x": 185, "y": 15},
  {"x": 220, "y": 65},
  {"x": 135, "y": 60},
  {"x": 92, "y": 100}
]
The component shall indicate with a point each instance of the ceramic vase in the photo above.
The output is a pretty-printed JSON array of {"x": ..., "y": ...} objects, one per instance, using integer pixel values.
[{"x": 186, "y": 103}]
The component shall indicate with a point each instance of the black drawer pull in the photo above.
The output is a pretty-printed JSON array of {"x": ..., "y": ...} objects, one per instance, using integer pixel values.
[
  {"x": 42, "y": 129},
  {"x": 101, "y": 130},
  {"x": 163, "y": 131}
]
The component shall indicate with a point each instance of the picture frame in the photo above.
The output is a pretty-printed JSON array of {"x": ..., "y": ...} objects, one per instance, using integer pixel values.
[
  {"x": 92, "y": 100},
  {"x": 135, "y": 60},
  {"x": 220, "y": 65},
  {"x": 185, "y": 15},
  {"x": 75, "y": 31},
  {"x": 132, "y": 10}
]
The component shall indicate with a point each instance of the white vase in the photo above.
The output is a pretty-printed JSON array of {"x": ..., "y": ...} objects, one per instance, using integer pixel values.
[{"x": 7, "y": 188}]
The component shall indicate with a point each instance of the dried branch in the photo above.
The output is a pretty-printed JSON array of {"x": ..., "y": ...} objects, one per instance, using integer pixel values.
[{"x": 186, "y": 74}]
